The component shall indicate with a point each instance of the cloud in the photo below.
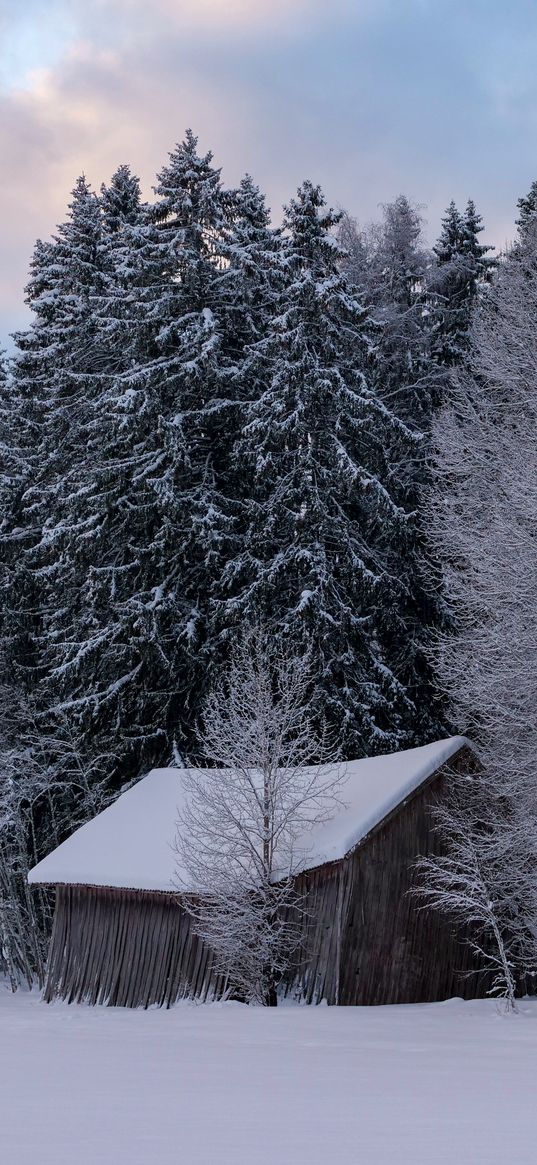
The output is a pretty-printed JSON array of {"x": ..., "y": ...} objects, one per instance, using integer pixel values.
[
  {"x": 231, "y": 17},
  {"x": 369, "y": 97},
  {"x": 223, "y": 14},
  {"x": 32, "y": 35}
]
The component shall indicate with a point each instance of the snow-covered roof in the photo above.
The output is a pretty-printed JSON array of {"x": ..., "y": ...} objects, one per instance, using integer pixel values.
[{"x": 130, "y": 845}]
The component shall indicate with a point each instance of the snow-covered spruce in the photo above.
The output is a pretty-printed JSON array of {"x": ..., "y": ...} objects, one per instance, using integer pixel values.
[
  {"x": 462, "y": 267},
  {"x": 319, "y": 516},
  {"x": 388, "y": 263}
]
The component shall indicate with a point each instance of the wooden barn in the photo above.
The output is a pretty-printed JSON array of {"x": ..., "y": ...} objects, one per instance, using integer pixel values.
[{"x": 121, "y": 936}]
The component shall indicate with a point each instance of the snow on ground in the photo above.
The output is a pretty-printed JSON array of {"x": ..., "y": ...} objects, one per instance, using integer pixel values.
[{"x": 222, "y": 1084}]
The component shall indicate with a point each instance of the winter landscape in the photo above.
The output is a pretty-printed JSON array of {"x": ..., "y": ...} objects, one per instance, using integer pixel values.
[
  {"x": 268, "y": 598},
  {"x": 444, "y": 1083}
]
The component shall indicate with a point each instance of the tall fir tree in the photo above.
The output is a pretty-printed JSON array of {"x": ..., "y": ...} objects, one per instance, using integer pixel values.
[
  {"x": 393, "y": 270},
  {"x": 407, "y": 379},
  {"x": 251, "y": 282},
  {"x": 50, "y": 782},
  {"x": 315, "y": 442},
  {"x": 57, "y": 369},
  {"x": 463, "y": 264},
  {"x": 14, "y": 477},
  {"x": 18, "y": 467},
  {"x": 249, "y": 277},
  {"x": 103, "y": 665},
  {"x": 527, "y": 210},
  {"x": 358, "y": 248},
  {"x": 182, "y": 267},
  {"x": 387, "y": 263},
  {"x": 127, "y": 654},
  {"x": 119, "y": 308}
]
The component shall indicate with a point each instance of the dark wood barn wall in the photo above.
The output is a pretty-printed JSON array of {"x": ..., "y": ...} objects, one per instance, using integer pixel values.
[
  {"x": 364, "y": 940},
  {"x": 126, "y": 948}
]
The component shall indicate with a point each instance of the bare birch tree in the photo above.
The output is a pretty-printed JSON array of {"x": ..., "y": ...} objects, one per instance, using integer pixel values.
[
  {"x": 484, "y": 524},
  {"x": 272, "y": 777},
  {"x": 468, "y": 882}
]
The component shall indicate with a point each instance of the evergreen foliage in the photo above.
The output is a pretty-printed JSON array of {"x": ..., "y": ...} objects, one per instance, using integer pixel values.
[
  {"x": 389, "y": 261},
  {"x": 527, "y": 209},
  {"x": 313, "y": 561},
  {"x": 210, "y": 424},
  {"x": 388, "y": 264},
  {"x": 463, "y": 265}
]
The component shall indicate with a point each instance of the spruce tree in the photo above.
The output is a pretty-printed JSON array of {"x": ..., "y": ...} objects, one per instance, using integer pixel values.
[
  {"x": 187, "y": 376},
  {"x": 251, "y": 281},
  {"x": 50, "y": 391},
  {"x": 119, "y": 308},
  {"x": 357, "y": 245},
  {"x": 18, "y": 430},
  {"x": 57, "y": 368},
  {"x": 101, "y": 548},
  {"x": 387, "y": 263},
  {"x": 50, "y": 785},
  {"x": 462, "y": 265},
  {"x": 12, "y": 467},
  {"x": 450, "y": 242},
  {"x": 106, "y": 674},
  {"x": 120, "y": 201},
  {"x": 149, "y": 487},
  {"x": 14, "y": 477},
  {"x": 405, "y": 376},
  {"x": 314, "y": 443},
  {"x": 249, "y": 277},
  {"x": 393, "y": 271},
  {"x": 527, "y": 209}
]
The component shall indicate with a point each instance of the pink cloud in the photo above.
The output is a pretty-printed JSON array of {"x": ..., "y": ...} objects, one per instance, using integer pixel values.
[
  {"x": 131, "y": 101},
  {"x": 90, "y": 114},
  {"x": 286, "y": 89}
]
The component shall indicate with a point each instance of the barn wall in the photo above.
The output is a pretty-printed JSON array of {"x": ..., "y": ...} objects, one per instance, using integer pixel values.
[
  {"x": 125, "y": 948},
  {"x": 366, "y": 940}
]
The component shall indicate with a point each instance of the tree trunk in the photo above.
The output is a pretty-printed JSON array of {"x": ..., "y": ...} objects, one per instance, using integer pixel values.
[{"x": 271, "y": 998}]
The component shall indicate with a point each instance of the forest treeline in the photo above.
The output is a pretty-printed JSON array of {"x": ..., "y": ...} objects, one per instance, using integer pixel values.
[{"x": 212, "y": 423}]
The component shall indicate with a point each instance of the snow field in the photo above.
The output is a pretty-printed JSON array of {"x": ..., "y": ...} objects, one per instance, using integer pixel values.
[{"x": 440, "y": 1084}]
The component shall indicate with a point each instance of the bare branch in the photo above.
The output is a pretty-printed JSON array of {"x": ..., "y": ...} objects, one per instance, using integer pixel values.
[{"x": 272, "y": 778}]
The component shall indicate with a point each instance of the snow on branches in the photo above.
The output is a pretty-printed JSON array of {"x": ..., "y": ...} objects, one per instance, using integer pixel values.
[
  {"x": 238, "y": 836},
  {"x": 483, "y": 521}
]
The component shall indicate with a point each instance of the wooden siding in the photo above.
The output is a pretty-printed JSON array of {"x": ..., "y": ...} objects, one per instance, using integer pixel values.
[
  {"x": 365, "y": 940},
  {"x": 126, "y": 948}
]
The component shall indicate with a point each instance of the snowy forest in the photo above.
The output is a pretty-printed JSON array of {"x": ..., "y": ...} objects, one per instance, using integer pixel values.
[{"x": 323, "y": 428}]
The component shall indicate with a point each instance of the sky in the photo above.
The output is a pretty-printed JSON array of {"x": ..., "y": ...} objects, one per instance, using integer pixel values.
[{"x": 436, "y": 99}]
